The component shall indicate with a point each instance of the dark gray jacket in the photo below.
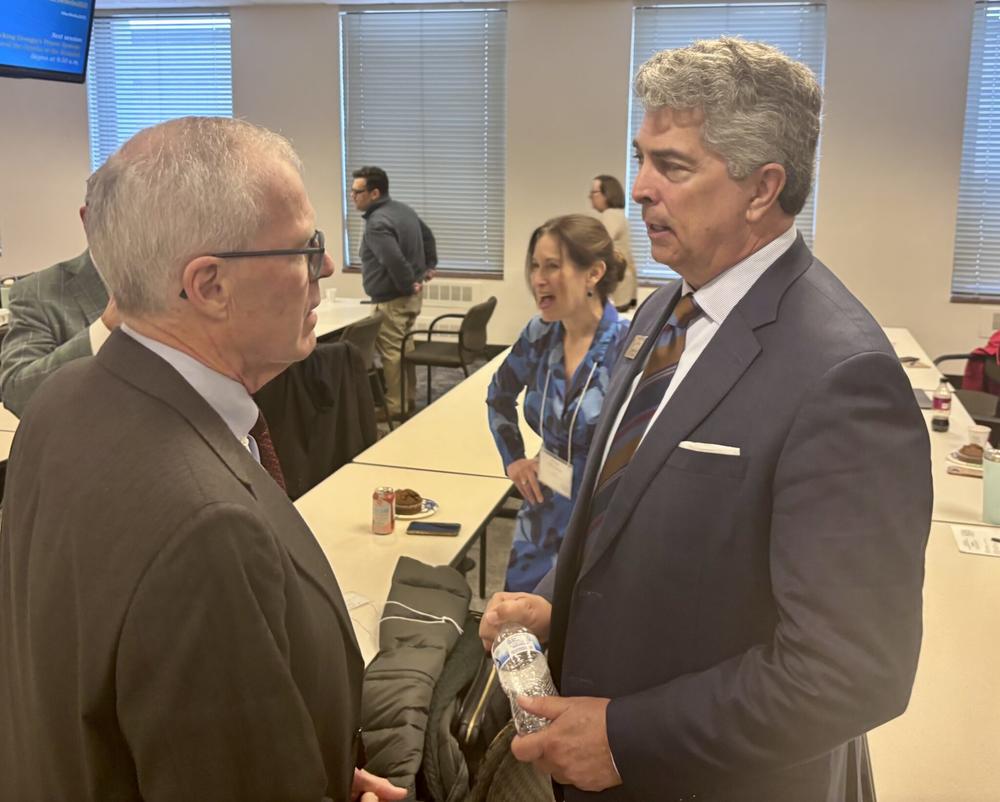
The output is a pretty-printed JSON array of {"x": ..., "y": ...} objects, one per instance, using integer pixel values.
[
  {"x": 397, "y": 249},
  {"x": 400, "y": 681}
]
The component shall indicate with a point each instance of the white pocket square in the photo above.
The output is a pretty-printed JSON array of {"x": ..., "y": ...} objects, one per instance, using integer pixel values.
[{"x": 710, "y": 448}]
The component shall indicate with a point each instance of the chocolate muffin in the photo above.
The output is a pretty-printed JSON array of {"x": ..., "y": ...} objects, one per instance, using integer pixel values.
[
  {"x": 408, "y": 502},
  {"x": 971, "y": 453}
]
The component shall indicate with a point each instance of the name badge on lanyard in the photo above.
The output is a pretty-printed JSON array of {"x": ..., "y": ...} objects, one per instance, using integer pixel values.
[{"x": 553, "y": 471}]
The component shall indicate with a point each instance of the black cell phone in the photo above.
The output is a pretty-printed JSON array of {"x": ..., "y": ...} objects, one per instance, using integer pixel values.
[{"x": 433, "y": 528}]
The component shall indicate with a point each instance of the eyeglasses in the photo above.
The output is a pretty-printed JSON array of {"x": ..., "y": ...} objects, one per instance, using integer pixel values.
[
  {"x": 356, "y": 192},
  {"x": 315, "y": 249}
]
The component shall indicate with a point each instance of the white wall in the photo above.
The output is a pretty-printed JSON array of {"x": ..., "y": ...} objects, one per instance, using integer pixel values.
[
  {"x": 44, "y": 164},
  {"x": 891, "y": 149}
]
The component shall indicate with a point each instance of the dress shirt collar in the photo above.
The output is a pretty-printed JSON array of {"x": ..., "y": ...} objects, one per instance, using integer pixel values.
[
  {"x": 718, "y": 297},
  {"x": 226, "y": 396}
]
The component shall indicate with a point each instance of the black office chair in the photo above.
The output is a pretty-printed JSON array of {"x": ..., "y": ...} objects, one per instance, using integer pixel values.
[
  {"x": 449, "y": 353},
  {"x": 363, "y": 335},
  {"x": 982, "y": 407}
]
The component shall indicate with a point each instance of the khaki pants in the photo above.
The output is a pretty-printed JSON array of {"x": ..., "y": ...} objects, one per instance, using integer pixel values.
[{"x": 398, "y": 316}]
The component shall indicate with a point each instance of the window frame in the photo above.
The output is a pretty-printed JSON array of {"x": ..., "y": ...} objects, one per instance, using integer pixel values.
[{"x": 494, "y": 218}]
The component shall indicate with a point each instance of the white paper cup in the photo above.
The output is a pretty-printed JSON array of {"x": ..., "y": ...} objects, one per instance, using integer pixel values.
[
  {"x": 331, "y": 294},
  {"x": 979, "y": 435}
]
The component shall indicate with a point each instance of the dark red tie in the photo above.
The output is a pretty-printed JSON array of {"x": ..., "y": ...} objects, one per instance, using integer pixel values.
[{"x": 265, "y": 446}]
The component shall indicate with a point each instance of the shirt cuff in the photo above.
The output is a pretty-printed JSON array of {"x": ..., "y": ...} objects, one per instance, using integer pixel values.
[{"x": 99, "y": 333}]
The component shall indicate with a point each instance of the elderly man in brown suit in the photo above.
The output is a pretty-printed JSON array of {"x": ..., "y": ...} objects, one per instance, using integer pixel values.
[{"x": 169, "y": 627}]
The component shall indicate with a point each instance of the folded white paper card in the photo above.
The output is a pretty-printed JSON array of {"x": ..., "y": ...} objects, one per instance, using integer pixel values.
[
  {"x": 710, "y": 448},
  {"x": 977, "y": 539}
]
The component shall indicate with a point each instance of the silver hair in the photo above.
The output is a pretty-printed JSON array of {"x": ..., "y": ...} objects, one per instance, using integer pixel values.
[
  {"x": 759, "y": 106},
  {"x": 184, "y": 188}
]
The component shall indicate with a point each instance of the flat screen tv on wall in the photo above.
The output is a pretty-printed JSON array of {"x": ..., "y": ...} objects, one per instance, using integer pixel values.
[{"x": 46, "y": 39}]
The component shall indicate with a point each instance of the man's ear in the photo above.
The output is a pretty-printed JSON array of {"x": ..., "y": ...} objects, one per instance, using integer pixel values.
[
  {"x": 767, "y": 182},
  {"x": 204, "y": 286}
]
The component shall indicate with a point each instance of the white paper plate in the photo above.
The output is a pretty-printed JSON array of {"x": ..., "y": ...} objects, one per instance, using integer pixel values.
[{"x": 428, "y": 508}]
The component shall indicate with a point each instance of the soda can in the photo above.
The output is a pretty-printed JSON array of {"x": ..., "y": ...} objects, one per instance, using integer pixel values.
[{"x": 383, "y": 510}]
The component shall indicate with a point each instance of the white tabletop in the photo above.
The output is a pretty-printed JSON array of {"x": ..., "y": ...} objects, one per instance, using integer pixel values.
[
  {"x": 452, "y": 434},
  {"x": 946, "y": 746},
  {"x": 957, "y": 499},
  {"x": 8, "y": 420},
  {"x": 339, "y": 314},
  {"x": 922, "y": 374},
  {"x": 339, "y": 512}
]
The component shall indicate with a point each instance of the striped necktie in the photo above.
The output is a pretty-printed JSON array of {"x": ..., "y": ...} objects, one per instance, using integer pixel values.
[
  {"x": 659, "y": 370},
  {"x": 265, "y": 446}
]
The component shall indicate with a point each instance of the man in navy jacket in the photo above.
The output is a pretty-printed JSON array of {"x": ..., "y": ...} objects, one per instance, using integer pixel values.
[{"x": 738, "y": 595}]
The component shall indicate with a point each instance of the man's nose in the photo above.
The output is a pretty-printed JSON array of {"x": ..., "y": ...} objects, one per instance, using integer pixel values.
[{"x": 328, "y": 267}]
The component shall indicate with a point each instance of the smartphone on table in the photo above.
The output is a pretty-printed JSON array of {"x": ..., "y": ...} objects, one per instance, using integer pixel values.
[{"x": 433, "y": 528}]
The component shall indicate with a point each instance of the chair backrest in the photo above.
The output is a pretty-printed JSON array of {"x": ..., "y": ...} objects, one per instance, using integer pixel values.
[
  {"x": 472, "y": 334},
  {"x": 363, "y": 335}
]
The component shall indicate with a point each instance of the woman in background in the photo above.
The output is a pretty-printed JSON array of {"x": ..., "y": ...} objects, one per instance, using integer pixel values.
[
  {"x": 563, "y": 358},
  {"x": 608, "y": 198}
]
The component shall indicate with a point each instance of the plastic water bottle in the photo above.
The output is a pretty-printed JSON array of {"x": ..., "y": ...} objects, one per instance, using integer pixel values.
[
  {"x": 941, "y": 401},
  {"x": 523, "y": 671}
]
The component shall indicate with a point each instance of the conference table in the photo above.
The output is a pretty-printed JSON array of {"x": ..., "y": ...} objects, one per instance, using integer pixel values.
[
  {"x": 339, "y": 513},
  {"x": 946, "y": 746},
  {"x": 333, "y": 316},
  {"x": 451, "y": 435},
  {"x": 922, "y": 373},
  {"x": 8, "y": 420}
]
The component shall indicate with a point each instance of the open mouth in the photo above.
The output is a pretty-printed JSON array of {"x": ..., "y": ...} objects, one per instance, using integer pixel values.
[
  {"x": 655, "y": 230},
  {"x": 545, "y": 301}
]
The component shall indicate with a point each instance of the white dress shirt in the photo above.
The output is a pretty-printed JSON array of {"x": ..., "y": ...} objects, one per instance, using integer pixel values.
[
  {"x": 226, "y": 396},
  {"x": 716, "y": 300}
]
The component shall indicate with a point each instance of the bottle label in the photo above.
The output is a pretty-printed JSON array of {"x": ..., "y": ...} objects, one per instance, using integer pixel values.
[
  {"x": 513, "y": 645},
  {"x": 942, "y": 403}
]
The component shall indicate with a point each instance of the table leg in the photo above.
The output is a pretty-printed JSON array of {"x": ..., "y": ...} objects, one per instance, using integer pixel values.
[{"x": 482, "y": 562}]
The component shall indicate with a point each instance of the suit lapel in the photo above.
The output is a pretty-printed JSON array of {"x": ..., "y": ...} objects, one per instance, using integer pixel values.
[
  {"x": 148, "y": 373},
  {"x": 647, "y": 323},
  {"x": 718, "y": 368}
]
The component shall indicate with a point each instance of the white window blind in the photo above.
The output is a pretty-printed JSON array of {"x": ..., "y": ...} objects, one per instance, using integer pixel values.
[
  {"x": 976, "y": 273},
  {"x": 797, "y": 29},
  {"x": 147, "y": 69},
  {"x": 424, "y": 98}
]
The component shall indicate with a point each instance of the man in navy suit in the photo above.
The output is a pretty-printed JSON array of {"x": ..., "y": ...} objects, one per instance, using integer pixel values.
[{"x": 738, "y": 596}]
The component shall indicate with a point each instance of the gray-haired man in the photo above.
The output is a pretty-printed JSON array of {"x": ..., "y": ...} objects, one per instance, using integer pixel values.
[
  {"x": 738, "y": 595},
  {"x": 170, "y": 628}
]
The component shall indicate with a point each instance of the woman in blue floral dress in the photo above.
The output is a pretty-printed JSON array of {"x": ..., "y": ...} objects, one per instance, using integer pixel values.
[{"x": 563, "y": 359}]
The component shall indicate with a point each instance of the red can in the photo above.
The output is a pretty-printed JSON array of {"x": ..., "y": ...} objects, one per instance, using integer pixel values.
[{"x": 383, "y": 510}]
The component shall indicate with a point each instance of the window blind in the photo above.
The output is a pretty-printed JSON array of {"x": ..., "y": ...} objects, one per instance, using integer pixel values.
[
  {"x": 797, "y": 29},
  {"x": 147, "y": 69},
  {"x": 976, "y": 272},
  {"x": 424, "y": 98}
]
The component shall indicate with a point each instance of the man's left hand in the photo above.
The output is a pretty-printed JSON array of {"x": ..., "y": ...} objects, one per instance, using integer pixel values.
[
  {"x": 369, "y": 788},
  {"x": 574, "y": 747}
]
